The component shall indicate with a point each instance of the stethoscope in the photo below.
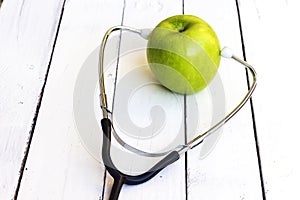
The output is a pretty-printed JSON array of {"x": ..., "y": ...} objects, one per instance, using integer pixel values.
[{"x": 171, "y": 156}]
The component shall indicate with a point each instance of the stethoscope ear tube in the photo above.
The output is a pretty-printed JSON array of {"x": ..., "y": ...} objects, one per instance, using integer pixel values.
[
  {"x": 226, "y": 53},
  {"x": 144, "y": 33},
  {"x": 171, "y": 156}
]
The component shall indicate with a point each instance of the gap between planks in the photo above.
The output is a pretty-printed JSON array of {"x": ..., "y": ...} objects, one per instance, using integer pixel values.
[
  {"x": 114, "y": 92},
  {"x": 251, "y": 107},
  {"x": 26, "y": 153},
  {"x": 185, "y": 117},
  {"x": 185, "y": 135}
]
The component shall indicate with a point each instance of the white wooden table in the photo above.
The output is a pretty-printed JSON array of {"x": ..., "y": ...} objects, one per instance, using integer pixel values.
[{"x": 43, "y": 47}]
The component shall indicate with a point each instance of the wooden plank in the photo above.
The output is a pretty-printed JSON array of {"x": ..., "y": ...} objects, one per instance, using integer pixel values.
[
  {"x": 170, "y": 183},
  {"x": 58, "y": 166},
  {"x": 224, "y": 166},
  {"x": 27, "y": 33},
  {"x": 271, "y": 42}
]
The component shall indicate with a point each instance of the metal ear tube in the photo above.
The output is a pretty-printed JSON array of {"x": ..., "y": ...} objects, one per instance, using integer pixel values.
[{"x": 169, "y": 156}]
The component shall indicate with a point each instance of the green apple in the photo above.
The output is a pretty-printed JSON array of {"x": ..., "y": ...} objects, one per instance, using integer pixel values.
[{"x": 183, "y": 52}]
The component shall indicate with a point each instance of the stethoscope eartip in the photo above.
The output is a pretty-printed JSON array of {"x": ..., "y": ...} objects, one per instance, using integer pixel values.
[
  {"x": 145, "y": 33},
  {"x": 226, "y": 52}
]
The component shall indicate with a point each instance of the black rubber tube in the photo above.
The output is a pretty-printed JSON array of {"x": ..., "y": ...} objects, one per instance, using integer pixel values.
[
  {"x": 135, "y": 180},
  {"x": 116, "y": 188},
  {"x": 121, "y": 178}
]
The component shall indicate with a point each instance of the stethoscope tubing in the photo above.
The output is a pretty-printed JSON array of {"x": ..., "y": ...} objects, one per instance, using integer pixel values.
[
  {"x": 170, "y": 156},
  {"x": 119, "y": 177}
]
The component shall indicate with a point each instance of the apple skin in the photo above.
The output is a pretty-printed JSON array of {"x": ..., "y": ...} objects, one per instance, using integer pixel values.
[{"x": 183, "y": 53}]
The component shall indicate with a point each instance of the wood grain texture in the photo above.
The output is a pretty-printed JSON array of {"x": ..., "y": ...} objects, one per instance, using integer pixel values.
[
  {"x": 271, "y": 42},
  {"x": 47, "y": 165},
  {"x": 59, "y": 167},
  {"x": 59, "y": 164},
  {"x": 27, "y": 35}
]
